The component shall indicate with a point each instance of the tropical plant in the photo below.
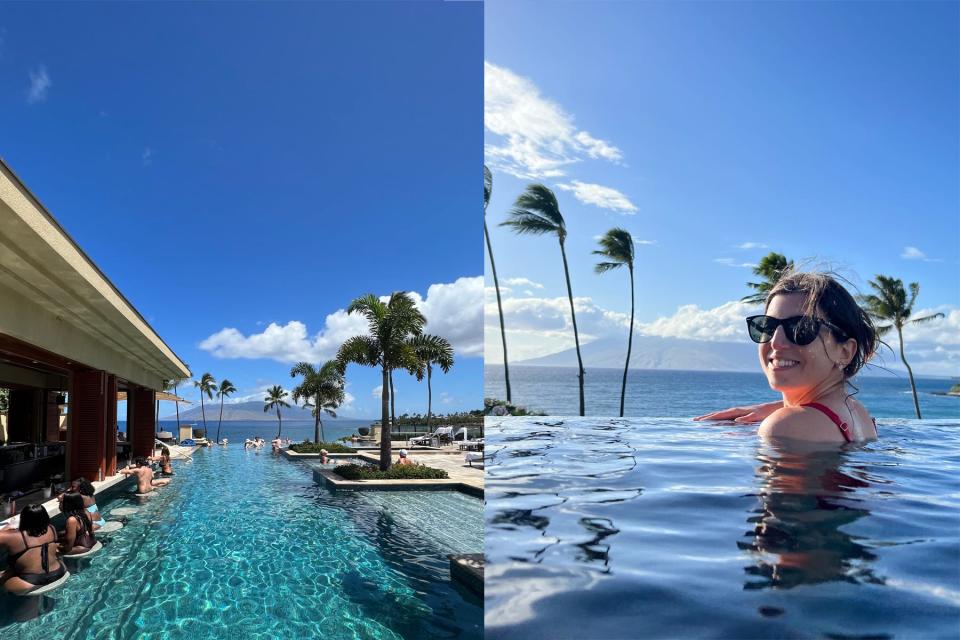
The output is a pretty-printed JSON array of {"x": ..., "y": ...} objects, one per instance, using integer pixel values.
[
  {"x": 431, "y": 350},
  {"x": 226, "y": 388},
  {"x": 537, "y": 212},
  {"x": 391, "y": 325},
  {"x": 275, "y": 400},
  {"x": 487, "y": 191},
  {"x": 322, "y": 389},
  {"x": 207, "y": 385},
  {"x": 617, "y": 247},
  {"x": 890, "y": 305},
  {"x": 770, "y": 268}
]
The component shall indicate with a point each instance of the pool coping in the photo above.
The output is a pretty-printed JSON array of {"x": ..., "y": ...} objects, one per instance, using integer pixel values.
[
  {"x": 467, "y": 569},
  {"x": 53, "y": 505},
  {"x": 333, "y": 481}
]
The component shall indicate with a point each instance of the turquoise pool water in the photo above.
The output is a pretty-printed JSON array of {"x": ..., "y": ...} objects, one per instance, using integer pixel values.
[
  {"x": 244, "y": 544},
  {"x": 664, "y": 528}
]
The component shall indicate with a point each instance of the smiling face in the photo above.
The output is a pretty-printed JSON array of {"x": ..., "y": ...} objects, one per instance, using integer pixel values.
[{"x": 796, "y": 369}]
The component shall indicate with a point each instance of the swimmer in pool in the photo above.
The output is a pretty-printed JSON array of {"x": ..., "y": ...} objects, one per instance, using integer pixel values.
[
  {"x": 144, "y": 474},
  {"x": 85, "y": 488},
  {"x": 812, "y": 339},
  {"x": 31, "y": 549},
  {"x": 166, "y": 468}
]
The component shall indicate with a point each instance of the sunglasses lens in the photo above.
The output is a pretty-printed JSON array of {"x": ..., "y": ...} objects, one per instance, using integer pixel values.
[
  {"x": 803, "y": 330},
  {"x": 761, "y": 328}
]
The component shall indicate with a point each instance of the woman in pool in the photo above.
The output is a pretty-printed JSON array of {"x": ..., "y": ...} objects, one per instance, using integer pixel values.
[
  {"x": 166, "y": 468},
  {"x": 31, "y": 552},
  {"x": 85, "y": 488},
  {"x": 78, "y": 530},
  {"x": 812, "y": 339}
]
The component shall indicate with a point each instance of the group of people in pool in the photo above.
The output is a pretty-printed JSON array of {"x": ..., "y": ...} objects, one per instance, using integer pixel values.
[
  {"x": 35, "y": 549},
  {"x": 812, "y": 339}
]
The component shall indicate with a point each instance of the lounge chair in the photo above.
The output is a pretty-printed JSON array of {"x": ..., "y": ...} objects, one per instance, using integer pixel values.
[
  {"x": 430, "y": 437},
  {"x": 473, "y": 456}
]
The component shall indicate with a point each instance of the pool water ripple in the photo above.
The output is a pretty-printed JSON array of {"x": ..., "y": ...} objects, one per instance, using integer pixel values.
[
  {"x": 246, "y": 545},
  {"x": 710, "y": 532}
]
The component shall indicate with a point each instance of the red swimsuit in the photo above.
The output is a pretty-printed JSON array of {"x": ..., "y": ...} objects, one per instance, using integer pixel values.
[{"x": 844, "y": 429}]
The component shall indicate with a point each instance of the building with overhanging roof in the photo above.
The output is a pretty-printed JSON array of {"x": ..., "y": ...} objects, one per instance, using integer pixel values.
[{"x": 68, "y": 338}]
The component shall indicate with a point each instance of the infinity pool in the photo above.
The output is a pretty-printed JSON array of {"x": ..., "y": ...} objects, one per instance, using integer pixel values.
[
  {"x": 664, "y": 528},
  {"x": 244, "y": 544}
]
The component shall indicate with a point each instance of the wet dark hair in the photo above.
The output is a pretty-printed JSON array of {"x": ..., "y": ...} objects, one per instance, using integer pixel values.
[
  {"x": 165, "y": 452},
  {"x": 827, "y": 299},
  {"x": 72, "y": 505},
  {"x": 34, "y": 520},
  {"x": 84, "y": 487},
  {"x": 139, "y": 461}
]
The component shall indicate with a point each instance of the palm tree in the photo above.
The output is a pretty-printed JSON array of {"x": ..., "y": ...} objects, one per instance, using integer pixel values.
[
  {"x": 617, "y": 246},
  {"x": 891, "y": 306},
  {"x": 275, "y": 399},
  {"x": 431, "y": 350},
  {"x": 771, "y": 267},
  {"x": 537, "y": 212},
  {"x": 391, "y": 325},
  {"x": 207, "y": 385},
  {"x": 487, "y": 191},
  {"x": 226, "y": 388},
  {"x": 322, "y": 389},
  {"x": 168, "y": 385},
  {"x": 176, "y": 383}
]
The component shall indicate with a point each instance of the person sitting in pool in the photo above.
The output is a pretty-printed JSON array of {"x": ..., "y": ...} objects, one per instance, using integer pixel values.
[
  {"x": 145, "y": 482},
  {"x": 78, "y": 529},
  {"x": 85, "y": 488},
  {"x": 166, "y": 468},
  {"x": 276, "y": 443},
  {"x": 31, "y": 552},
  {"x": 812, "y": 339},
  {"x": 403, "y": 459}
]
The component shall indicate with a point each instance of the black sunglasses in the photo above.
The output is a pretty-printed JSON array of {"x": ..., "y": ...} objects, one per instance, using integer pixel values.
[{"x": 800, "y": 330}]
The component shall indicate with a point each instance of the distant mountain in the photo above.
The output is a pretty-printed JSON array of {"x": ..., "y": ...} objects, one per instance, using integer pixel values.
[
  {"x": 248, "y": 411},
  {"x": 657, "y": 353}
]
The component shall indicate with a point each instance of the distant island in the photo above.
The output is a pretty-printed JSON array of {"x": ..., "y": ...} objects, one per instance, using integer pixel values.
[
  {"x": 954, "y": 391},
  {"x": 248, "y": 412}
]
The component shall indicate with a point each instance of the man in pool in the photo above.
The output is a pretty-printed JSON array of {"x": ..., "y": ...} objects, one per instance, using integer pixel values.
[{"x": 144, "y": 474}]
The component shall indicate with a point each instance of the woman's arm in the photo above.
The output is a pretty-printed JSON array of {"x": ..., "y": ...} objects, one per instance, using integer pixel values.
[
  {"x": 746, "y": 414},
  {"x": 69, "y": 535}
]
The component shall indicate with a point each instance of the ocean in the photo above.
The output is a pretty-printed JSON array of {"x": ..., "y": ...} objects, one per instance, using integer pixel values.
[
  {"x": 684, "y": 394},
  {"x": 239, "y": 430}
]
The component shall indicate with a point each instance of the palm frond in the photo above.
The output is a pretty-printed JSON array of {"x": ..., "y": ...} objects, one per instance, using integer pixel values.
[
  {"x": 487, "y": 187},
  {"x": 536, "y": 212}
]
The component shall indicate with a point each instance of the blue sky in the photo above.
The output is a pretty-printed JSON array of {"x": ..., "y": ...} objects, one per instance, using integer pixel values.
[
  {"x": 236, "y": 166},
  {"x": 715, "y": 133}
]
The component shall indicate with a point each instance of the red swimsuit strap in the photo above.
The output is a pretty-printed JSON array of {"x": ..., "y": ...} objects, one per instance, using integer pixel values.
[{"x": 827, "y": 411}]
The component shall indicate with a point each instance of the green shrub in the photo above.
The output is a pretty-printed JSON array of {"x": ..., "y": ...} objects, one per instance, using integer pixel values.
[
  {"x": 395, "y": 472},
  {"x": 310, "y": 447}
]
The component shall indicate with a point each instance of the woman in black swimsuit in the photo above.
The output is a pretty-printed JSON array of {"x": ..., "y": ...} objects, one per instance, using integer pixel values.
[
  {"x": 78, "y": 531},
  {"x": 31, "y": 552}
]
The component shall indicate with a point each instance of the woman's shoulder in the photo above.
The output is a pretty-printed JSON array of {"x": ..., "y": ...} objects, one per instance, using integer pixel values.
[{"x": 800, "y": 423}]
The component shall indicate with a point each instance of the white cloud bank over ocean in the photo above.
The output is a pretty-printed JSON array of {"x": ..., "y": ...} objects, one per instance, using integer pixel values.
[{"x": 453, "y": 311}]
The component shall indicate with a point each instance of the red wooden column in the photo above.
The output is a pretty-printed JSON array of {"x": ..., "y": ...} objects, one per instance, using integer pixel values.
[
  {"x": 110, "y": 434},
  {"x": 87, "y": 424},
  {"x": 143, "y": 420}
]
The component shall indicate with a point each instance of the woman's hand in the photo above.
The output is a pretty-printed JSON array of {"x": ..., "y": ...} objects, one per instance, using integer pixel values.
[{"x": 744, "y": 415}]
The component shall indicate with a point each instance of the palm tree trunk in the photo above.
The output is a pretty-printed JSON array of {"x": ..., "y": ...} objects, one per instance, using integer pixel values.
[
  {"x": 913, "y": 386},
  {"x": 393, "y": 402},
  {"x": 156, "y": 417},
  {"x": 429, "y": 398},
  {"x": 203, "y": 412},
  {"x": 626, "y": 367},
  {"x": 316, "y": 424},
  {"x": 178, "y": 411},
  {"x": 385, "y": 452},
  {"x": 279, "y": 422},
  {"x": 220, "y": 419},
  {"x": 576, "y": 334},
  {"x": 496, "y": 285}
]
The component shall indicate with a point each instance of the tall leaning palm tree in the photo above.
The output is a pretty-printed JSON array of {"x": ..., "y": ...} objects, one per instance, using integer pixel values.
[
  {"x": 275, "y": 400},
  {"x": 322, "y": 389},
  {"x": 890, "y": 305},
  {"x": 617, "y": 247},
  {"x": 770, "y": 268},
  {"x": 387, "y": 346},
  {"x": 226, "y": 388},
  {"x": 431, "y": 350},
  {"x": 168, "y": 385},
  {"x": 487, "y": 191},
  {"x": 207, "y": 385},
  {"x": 537, "y": 212}
]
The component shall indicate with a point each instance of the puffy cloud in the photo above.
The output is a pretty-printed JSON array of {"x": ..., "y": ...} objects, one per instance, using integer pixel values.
[
  {"x": 453, "y": 310},
  {"x": 377, "y": 392},
  {"x": 730, "y": 262},
  {"x": 522, "y": 282},
  {"x": 39, "y": 85},
  {"x": 600, "y": 196},
  {"x": 539, "y": 137},
  {"x": 912, "y": 253},
  {"x": 751, "y": 245},
  {"x": 719, "y": 324}
]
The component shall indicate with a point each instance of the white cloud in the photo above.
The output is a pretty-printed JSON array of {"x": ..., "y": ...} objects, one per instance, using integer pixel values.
[
  {"x": 730, "y": 262},
  {"x": 522, "y": 282},
  {"x": 751, "y": 245},
  {"x": 645, "y": 242},
  {"x": 147, "y": 156},
  {"x": 539, "y": 137},
  {"x": 39, "y": 85},
  {"x": 723, "y": 323},
  {"x": 600, "y": 196},
  {"x": 913, "y": 253},
  {"x": 453, "y": 310},
  {"x": 377, "y": 391}
]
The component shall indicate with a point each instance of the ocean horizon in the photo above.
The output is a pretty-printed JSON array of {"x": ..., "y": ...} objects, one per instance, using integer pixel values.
[{"x": 659, "y": 393}]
